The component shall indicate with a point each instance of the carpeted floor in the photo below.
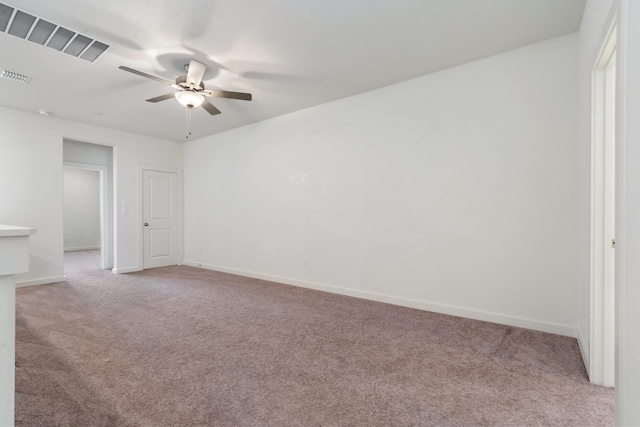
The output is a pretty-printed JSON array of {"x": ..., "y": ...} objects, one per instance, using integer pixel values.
[
  {"x": 180, "y": 346},
  {"x": 80, "y": 263}
]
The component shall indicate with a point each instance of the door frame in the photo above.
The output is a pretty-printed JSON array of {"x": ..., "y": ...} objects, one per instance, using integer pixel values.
[
  {"x": 106, "y": 221},
  {"x": 603, "y": 194},
  {"x": 140, "y": 227}
]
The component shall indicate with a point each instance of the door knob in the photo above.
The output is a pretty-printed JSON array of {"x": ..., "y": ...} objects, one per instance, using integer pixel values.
[{"x": 146, "y": 224}]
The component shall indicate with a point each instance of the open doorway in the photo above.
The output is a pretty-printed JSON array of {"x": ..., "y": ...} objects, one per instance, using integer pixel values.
[
  {"x": 82, "y": 221},
  {"x": 88, "y": 208},
  {"x": 603, "y": 189}
]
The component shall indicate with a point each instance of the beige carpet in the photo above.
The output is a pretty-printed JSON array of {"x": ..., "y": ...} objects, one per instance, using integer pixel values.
[
  {"x": 181, "y": 346},
  {"x": 80, "y": 263}
]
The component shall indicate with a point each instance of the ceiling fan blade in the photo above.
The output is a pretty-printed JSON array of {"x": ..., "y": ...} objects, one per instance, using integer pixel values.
[
  {"x": 210, "y": 108},
  {"x": 195, "y": 73},
  {"x": 226, "y": 94},
  {"x": 149, "y": 76},
  {"x": 162, "y": 97}
]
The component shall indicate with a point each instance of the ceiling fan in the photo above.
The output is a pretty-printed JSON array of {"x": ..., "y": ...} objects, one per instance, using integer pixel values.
[{"x": 191, "y": 91}]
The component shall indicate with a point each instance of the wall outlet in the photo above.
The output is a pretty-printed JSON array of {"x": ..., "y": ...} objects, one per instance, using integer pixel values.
[
  {"x": 304, "y": 263},
  {"x": 292, "y": 179},
  {"x": 305, "y": 178}
]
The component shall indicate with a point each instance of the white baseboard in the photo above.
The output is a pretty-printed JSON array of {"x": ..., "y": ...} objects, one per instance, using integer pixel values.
[
  {"x": 49, "y": 280},
  {"x": 125, "y": 270},
  {"x": 535, "y": 325},
  {"x": 584, "y": 350},
  {"x": 36, "y": 282},
  {"x": 81, "y": 248}
]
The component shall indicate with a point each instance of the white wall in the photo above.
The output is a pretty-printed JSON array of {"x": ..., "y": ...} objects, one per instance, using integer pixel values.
[
  {"x": 31, "y": 192},
  {"x": 628, "y": 217},
  {"x": 81, "y": 209},
  {"x": 599, "y": 14},
  {"x": 82, "y": 152},
  {"x": 7, "y": 347},
  {"x": 454, "y": 192}
]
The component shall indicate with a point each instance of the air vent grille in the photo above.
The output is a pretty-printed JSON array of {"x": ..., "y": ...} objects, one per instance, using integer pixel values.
[
  {"x": 21, "y": 24},
  {"x": 29, "y": 27},
  {"x": 13, "y": 76},
  {"x": 42, "y": 31},
  {"x": 5, "y": 16}
]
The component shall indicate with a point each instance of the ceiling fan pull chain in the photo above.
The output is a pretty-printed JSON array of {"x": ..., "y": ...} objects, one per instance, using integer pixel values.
[{"x": 188, "y": 122}]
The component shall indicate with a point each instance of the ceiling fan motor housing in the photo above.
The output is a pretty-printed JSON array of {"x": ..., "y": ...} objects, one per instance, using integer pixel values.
[{"x": 182, "y": 81}]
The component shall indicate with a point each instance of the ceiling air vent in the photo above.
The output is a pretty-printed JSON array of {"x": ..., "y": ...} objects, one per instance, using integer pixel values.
[
  {"x": 60, "y": 38},
  {"x": 41, "y": 32},
  {"x": 21, "y": 24},
  {"x": 13, "y": 76},
  {"x": 29, "y": 27},
  {"x": 5, "y": 16}
]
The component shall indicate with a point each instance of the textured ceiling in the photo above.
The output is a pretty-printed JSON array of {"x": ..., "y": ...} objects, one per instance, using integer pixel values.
[{"x": 290, "y": 54}]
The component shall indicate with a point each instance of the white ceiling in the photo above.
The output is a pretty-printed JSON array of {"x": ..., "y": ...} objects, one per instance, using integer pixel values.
[{"x": 290, "y": 54}]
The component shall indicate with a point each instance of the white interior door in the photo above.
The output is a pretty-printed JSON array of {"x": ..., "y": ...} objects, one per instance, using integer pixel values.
[
  {"x": 160, "y": 218},
  {"x": 603, "y": 188}
]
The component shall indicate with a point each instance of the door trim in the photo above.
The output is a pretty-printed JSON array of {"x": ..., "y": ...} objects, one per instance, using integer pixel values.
[
  {"x": 140, "y": 216},
  {"x": 601, "y": 367}
]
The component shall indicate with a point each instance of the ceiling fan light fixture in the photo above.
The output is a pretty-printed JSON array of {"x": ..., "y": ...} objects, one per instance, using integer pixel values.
[{"x": 189, "y": 99}]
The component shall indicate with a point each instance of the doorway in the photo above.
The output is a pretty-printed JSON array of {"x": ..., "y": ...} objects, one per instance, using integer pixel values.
[
  {"x": 82, "y": 219},
  {"x": 91, "y": 160},
  {"x": 603, "y": 188}
]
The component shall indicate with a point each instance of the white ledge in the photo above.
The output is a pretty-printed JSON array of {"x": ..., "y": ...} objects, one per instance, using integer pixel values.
[
  {"x": 14, "y": 231},
  {"x": 14, "y": 249}
]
